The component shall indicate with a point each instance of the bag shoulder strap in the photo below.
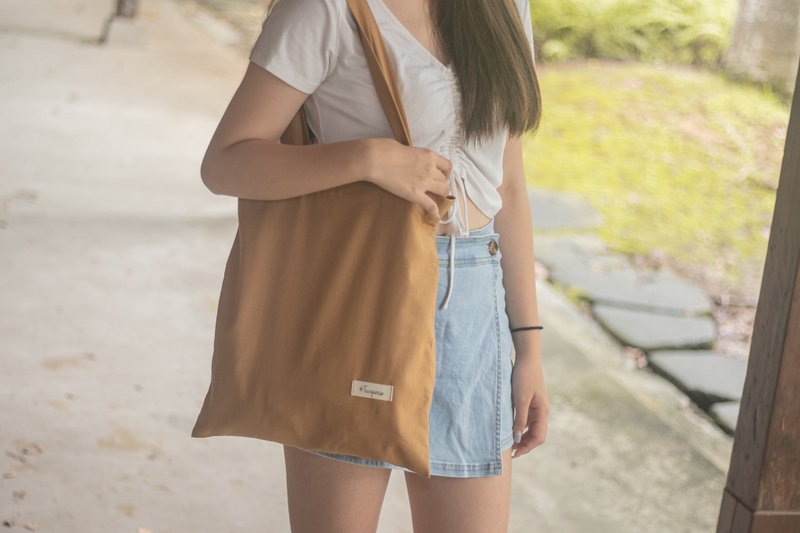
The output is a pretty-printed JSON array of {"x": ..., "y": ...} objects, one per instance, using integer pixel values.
[{"x": 380, "y": 68}]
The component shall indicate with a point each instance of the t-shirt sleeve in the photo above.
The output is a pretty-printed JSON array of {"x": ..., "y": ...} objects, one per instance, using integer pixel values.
[
  {"x": 524, "y": 7},
  {"x": 299, "y": 42}
]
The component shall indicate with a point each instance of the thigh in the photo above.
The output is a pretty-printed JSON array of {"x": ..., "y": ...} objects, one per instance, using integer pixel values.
[
  {"x": 461, "y": 505},
  {"x": 329, "y": 495}
]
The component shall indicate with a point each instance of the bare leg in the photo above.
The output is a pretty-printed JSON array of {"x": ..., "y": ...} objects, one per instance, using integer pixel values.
[
  {"x": 332, "y": 496},
  {"x": 461, "y": 505}
]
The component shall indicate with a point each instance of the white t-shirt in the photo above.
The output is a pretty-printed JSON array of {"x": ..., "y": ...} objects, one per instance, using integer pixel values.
[{"x": 314, "y": 46}]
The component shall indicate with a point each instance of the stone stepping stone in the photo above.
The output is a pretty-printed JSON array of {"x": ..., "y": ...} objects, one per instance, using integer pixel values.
[
  {"x": 655, "y": 331},
  {"x": 553, "y": 210},
  {"x": 565, "y": 251},
  {"x": 706, "y": 376},
  {"x": 725, "y": 414},
  {"x": 604, "y": 280}
]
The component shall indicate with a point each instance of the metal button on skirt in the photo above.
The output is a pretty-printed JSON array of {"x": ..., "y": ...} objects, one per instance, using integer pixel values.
[{"x": 471, "y": 412}]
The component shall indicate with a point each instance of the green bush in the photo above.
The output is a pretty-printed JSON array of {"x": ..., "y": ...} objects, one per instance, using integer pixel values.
[{"x": 672, "y": 31}]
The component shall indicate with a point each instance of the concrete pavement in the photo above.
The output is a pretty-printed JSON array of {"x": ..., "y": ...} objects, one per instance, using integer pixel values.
[{"x": 112, "y": 253}]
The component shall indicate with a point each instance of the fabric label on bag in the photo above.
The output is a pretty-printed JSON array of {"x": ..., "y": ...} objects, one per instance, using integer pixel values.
[{"x": 376, "y": 391}]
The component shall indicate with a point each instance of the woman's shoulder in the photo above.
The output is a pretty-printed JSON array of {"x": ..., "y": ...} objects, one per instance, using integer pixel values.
[
  {"x": 310, "y": 6},
  {"x": 314, "y": 11},
  {"x": 299, "y": 41}
]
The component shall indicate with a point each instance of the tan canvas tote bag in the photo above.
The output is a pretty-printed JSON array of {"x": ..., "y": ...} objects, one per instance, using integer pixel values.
[{"x": 324, "y": 334}]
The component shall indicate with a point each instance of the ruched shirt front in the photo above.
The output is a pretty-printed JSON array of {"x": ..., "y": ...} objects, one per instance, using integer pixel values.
[{"x": 314, "y": 46}]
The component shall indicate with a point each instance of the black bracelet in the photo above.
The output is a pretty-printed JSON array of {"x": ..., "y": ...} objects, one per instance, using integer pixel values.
[{"x": 526, "y": 327}]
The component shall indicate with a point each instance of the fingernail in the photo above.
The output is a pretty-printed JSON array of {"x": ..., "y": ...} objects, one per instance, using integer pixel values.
[{"x": 517, "y": 436}]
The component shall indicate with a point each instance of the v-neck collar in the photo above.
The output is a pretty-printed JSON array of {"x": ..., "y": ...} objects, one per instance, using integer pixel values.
[{"x": 410, "y": 36}]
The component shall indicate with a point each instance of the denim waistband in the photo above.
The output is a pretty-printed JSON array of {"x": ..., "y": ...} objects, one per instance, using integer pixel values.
[
  {"x": 473, "y": 244},
  {"x": 477, "y": 235}
]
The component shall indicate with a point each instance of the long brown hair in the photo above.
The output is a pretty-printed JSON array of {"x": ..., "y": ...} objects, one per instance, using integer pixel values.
[
  {"x": 493, "y": 62},
  {"x": 491, "y": 57}
]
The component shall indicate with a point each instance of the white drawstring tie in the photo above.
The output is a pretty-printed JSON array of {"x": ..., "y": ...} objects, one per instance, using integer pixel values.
[{"x": 455, "y": 210}]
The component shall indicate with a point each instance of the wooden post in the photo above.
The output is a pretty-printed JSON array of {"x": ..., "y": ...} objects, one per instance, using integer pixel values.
[{"x": 762, "y": 492}]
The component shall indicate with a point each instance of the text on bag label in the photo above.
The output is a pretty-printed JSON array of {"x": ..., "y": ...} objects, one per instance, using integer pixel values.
[{"x": 376, "y": 391}]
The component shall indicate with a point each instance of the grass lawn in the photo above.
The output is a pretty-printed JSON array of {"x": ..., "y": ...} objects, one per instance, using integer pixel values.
[{"x": 681, "y": 163}]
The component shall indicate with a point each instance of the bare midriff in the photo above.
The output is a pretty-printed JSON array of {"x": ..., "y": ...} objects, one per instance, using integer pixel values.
[{"x": 476, "y": 217}]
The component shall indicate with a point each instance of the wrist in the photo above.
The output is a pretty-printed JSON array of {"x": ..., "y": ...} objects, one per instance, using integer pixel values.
[
  {"x": 529, "y": 354},
  {"x": 527, "y": 342},
  {"x": 526, "y": 328},
  {"x": 362, "y": 160}
]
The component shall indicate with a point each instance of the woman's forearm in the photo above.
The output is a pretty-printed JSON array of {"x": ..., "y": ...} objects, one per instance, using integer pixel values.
[
  {"x": 260, "y": 169},
  {"x": 515, "y": 226}
]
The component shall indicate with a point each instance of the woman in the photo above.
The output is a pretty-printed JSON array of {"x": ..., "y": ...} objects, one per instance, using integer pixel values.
[{"x": 469, "y": 88}]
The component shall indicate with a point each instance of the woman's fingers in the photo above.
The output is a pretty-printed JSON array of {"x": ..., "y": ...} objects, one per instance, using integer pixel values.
[
  {"x": 431, "y": 208},
  {"x": 443, "y": 164},
  {"x": 536, "y": 425},
  {"x": 442, "y": 188}
]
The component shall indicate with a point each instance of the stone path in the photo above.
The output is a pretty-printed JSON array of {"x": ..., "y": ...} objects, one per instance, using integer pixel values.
[{"x": 666, "y": 317}]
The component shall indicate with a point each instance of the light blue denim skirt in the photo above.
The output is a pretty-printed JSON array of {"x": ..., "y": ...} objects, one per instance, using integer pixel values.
[{"x": 471, "y": 413}]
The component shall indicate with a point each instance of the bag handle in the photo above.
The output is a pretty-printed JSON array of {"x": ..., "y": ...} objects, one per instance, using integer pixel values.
[
  {"x": 381, "y": 69},
  {"x": 383, "y": 79}
]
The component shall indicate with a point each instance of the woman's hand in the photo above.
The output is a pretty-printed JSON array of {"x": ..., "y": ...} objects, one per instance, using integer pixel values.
[
  {"x": 408, "y": 172},
  {"x": 529, "y": 398}
]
